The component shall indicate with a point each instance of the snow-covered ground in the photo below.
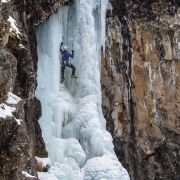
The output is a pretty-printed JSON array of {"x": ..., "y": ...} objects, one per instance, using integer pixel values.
[{"x": 72, "y": 122}]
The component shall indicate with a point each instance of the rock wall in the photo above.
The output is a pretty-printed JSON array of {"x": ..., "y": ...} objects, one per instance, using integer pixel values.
[
  {"x": 140, "y": 86},
  {"x": 20, "y": 134}
]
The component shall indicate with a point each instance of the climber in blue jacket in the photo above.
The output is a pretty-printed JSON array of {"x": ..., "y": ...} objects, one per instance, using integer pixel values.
[{"x": 65, "y": 61}]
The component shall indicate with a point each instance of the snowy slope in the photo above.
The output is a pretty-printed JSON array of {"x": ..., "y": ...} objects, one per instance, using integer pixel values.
[{"x": 72, "y": 122}]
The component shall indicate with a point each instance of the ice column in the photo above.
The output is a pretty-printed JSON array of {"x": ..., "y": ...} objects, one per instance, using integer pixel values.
[{"x": 72, "y": 122}]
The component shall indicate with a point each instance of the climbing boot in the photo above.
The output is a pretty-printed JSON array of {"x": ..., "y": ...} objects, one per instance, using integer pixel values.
[
  {"x": 62, "y": 80},
  {"x": 73, "y": 76}
]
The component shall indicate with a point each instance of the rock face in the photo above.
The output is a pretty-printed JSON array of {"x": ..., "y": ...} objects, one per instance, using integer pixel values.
[
  {"x": 20, "y": 134},
  {"x": 140, "y": 86}
]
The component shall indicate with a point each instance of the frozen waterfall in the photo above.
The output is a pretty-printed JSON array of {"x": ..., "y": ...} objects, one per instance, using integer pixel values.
[{"x": 72, "y": 122}]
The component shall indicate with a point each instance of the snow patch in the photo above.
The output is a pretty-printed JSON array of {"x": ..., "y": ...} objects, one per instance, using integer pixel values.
[
  {"x": 18, "y": 121},
  {"x": 5, "y": 0},
  {"x": 6, "y": 110},
  {"x": 22, "y": 46},
  {"x": 44, "y": 161},
  {"x": 13, "y": 25},
  {"x": 12, "y": 98},
  {"x": 28, "y": 175}
]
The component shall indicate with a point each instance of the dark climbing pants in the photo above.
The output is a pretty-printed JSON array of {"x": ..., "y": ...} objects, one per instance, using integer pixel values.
[{"x": 63, "y": 68}]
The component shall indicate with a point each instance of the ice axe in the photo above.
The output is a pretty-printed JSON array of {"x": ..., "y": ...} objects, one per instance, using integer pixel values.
[
  {"x": 72, "y": 47},
  {"x": 62, "y": 40}
]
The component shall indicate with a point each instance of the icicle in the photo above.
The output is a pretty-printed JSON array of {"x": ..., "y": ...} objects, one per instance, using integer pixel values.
[{"x": 104, "y": 6}]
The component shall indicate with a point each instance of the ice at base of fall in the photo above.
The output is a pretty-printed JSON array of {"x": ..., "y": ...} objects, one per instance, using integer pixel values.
[{"x": 72, "y": 122}]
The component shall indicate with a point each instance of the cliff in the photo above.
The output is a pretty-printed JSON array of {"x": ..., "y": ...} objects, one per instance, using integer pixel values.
[
  {"x": 140, "y": 86},
  {"x": 139, "y": 79},
  {"x": 20, "y": 134}
]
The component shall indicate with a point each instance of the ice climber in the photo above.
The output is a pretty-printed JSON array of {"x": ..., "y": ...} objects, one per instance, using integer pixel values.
[{"x": 65, "y": 61}]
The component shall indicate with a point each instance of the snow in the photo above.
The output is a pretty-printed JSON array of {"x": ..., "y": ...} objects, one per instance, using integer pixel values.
[
  {"x": 18, "y": 121},
  {"x": 6, "y": 110},
  {"x": 44, "y": 161},
  {"x": 22, "y": 46},
  {"x": 12, "y": 98},
  {"x": 72, "y": 122},
  {"x": 13, "y": 25},
  {"x": 27, "y": 175}
]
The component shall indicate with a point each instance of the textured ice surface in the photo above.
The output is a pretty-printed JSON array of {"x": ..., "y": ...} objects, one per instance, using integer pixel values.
[
  {"x": 46, "y": 176},
  {"x": 72, "y": 122},
  {"x": 104, "y": 168}
]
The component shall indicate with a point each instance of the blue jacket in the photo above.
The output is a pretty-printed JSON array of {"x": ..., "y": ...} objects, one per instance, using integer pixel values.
[{"x": 66, "y": 55}]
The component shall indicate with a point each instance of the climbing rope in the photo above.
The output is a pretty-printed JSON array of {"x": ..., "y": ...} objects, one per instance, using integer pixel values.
[
  {"x": 68, "y": 122},
  {"x": 69, "y": 141}
]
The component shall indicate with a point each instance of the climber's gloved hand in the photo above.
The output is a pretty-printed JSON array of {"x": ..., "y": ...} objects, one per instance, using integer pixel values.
[{"x": 72, "y": 51}]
